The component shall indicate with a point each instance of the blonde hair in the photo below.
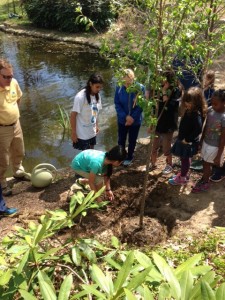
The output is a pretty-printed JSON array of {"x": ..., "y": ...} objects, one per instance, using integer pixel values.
[
  {"x": 209, "y": 79},
  {"x": 129, "y": 73}
]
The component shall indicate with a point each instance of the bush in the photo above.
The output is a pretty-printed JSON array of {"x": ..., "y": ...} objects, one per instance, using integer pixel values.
[{"x": 62, "y": 14}]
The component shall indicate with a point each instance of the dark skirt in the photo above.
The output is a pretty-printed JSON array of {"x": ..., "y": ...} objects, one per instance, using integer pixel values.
[{"x": 184, "y": 150}]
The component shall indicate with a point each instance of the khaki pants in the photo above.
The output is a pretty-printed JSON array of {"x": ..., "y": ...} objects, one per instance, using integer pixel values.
[
  {"x": 164, "y": 139},
  {"x": 11, "y": 149}
]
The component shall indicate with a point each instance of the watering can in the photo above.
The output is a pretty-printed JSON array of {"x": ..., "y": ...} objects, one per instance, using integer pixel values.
[{"x": 43, "y": 175}]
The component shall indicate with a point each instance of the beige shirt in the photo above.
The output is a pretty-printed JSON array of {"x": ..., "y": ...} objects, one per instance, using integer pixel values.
[{"x": 9, "y": 110}]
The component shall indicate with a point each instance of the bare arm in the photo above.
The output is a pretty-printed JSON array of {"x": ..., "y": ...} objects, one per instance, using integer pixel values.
[
  {"x": 220, "y": 148},
  {"x": 108, "y": 188},
  {"x": 73, "y": 121}
]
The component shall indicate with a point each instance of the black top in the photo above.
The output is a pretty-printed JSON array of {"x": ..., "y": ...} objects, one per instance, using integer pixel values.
[
  {"x": 190, "y": 127},
  {"x": 169, "y": 118}
]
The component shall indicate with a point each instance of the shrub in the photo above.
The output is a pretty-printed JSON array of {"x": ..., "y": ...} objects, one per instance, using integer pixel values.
[{"x": 62, "y": 14}]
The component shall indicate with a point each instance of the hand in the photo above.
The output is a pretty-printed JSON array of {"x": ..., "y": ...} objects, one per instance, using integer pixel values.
[
  {"x": 110, "y": 195},
  {"x": 74, "y": 137},
  {"x": 97, "y": 129},
  {"x": 166, "y": 86},
  {"x": 129, "y": 121}
]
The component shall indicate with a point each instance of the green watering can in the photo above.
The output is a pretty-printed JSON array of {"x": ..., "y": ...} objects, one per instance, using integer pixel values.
[{"x": 43, "y": 175}]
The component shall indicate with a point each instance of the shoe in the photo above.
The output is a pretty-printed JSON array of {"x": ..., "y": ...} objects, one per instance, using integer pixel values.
[
  {"x": 127, "y": 162},
  {"x": 7, "y": 191},
  {"x": 178, "y": 180},
  {"x": 168, "y": 169},
  {"x": 9, "y": 212},
  {"x": 84, "y": 186},
  {"x": 201, "y": 187},
  {"x": 216, "y": 177},
  {"x": 197, "y": 165}
]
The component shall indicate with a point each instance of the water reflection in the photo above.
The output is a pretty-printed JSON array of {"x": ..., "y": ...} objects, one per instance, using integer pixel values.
[{"x": 50, "y": 73}]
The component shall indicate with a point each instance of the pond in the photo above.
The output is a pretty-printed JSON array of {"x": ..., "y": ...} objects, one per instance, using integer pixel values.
[{"x": 50, "y": 74}]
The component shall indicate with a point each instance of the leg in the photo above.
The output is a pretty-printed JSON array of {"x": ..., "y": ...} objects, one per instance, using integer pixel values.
[
  {"x": 206, "y": 171},
  {"x": 17, "y": 150},
  {"x": 133, "y": 134},
  {"x": 185, "y": 166},
  {"x": 122, "y": 135},
  {"x": 2, "y": 202},
  {"x": 166, "y": 143},
  {"x": 6, "y": 137}
]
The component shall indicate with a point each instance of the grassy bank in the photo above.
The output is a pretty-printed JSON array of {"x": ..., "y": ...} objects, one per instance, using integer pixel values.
[{"x": 12, "y": 12}]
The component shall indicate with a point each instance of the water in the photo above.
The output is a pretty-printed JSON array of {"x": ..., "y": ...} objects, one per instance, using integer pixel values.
[{"x": 50, "y": 74}]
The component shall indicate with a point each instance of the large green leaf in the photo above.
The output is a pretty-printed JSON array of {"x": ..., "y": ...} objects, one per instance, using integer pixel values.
[
  {"x": 4, "y": 279},
  {"x": 23, "y": 262},
  {"x": 196, "y": 291},
  {"x": 76, "y": 256},
  {"x": 207, "y": 292},
  {"x": 191, "y": 262},
  {"x": 220, "y": 293},
  {"x": 147, "y": 294},
  {"x": 124, "y": 272},
  {"x": 26, "y": 295},
  {"x": 186, "y": 284},
  {"x": 164, "y": 292},
  {"x": 138, "y": 279},
  {"x": 200, "y": 270},
  {"x": 90, "y": 289},
  {"x": 65, "y": 288},
  {"x": 129, "y": 295},
  {"x": 46, "y": 286},
  {"x": 168, "y": 275},
  {"x": 143, "y": 259},
  {"x": 102, "y": 281}
]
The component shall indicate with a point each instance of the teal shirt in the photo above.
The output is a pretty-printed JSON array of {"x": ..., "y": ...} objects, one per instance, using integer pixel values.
[{"x": 90, "y": 161}]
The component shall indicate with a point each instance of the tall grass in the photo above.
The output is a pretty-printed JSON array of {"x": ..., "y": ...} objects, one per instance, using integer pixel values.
[{"x": 64, "y": 119}]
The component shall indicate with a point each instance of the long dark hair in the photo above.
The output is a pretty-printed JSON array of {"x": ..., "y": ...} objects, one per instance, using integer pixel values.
[
  {"x": 117, "y": 153},
  {"x": 194, "y": 95},
  {"x": 94, "y": 78}
]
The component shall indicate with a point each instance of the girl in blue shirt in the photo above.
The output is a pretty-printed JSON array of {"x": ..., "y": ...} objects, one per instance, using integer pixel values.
[{"x": 96, "y": 167}]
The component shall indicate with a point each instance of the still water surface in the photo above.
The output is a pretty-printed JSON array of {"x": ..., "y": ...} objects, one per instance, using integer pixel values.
[{"x": 50, "y": 74}]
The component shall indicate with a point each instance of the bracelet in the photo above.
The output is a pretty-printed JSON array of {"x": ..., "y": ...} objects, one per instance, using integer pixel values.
[{"x": 108, "y": 190}]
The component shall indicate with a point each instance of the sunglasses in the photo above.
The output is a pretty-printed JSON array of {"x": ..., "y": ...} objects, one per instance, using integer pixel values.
[{"x": 7, "y": 77}]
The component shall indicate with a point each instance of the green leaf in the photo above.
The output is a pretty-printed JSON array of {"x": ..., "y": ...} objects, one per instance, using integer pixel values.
[
  {"x": 191, "y": 262},
  {"x": 73, "y": 202},
  {"x": 200, "y": 270},
  {"x": 46, "y": 286},
  {"x": 143, "y": 259},
  {"x": 196, "y": 291},
  {"x": 168, "y": 275},
  {"x": 129, "y": 295},
  {"x": 207, "y": 292},
  {"x": 124, "y": 272},
  {"x": 164, "y": 292},
  {"x": 102, "y": 281},
  {"x": 115, "y": 242},
  {"x": 186, "y": 284},
  {"x": 4, "y": 279},
  {"x": 220, "y": 293},
  {"x": 147, "y": 294},
  {"x": 23, "y": 262},
  {"x": 138, "y": 279},
  {"x": 90, "y": 289},
  {"x": 76, "y": 256},
  {"x": 65, "y": 288},
  {"x": 26, "y": 295},
  {"x": 17, "y": 249}
]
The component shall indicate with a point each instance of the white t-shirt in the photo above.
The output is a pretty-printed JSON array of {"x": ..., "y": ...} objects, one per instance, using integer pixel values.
[{"x": 86, "y": 115}]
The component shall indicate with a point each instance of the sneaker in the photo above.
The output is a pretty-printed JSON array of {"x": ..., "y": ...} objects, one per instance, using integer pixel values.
[
  {"x": 168, "y": 169},
  {"x": 9, "y": 212},
  {"x": 7, "y": 191},
  {"x": 178, "y": 180},
  {"x": 127, "y": 162},
  {"x": 201, "y": 187},
  {"x": 84, "y": 186},
  {"x": 216, "y": 177}
]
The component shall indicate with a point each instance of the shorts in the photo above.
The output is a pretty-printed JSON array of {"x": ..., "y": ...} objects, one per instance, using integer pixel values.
[
  {"x": 208, "y": 153},
  {"x": 84, "y": 144},
  {"x": 98, "y": 179},
  {"x": 164, "y": 139}
]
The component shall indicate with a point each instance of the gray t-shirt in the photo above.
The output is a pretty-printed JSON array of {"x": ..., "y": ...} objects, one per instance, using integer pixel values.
[{"x": 214, "y": 124}]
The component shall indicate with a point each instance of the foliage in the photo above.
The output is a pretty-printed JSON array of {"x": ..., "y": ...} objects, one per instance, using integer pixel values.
[
  {"x": 70, "y": 15},
  {"x": 36, "y": 267},
  {"x": 64, "y": 119}
]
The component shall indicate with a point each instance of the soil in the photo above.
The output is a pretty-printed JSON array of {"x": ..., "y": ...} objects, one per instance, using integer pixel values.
[{"x": 169, "y": 210}]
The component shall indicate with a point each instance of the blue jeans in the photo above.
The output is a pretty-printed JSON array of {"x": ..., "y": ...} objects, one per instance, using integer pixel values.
[
  {"x": 132, "y": 132},
  {"x": 2, "y": 202}
]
